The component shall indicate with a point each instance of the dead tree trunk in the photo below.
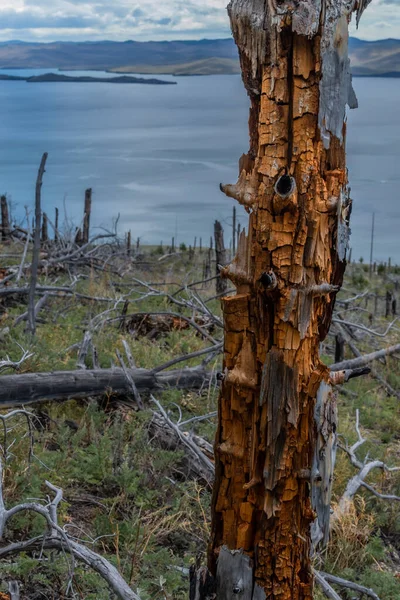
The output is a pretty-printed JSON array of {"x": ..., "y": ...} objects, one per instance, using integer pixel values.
[
  {"x": 45, "y": 229},
  {"x": 5, "y": 219},
  {"x": 56, "y": 233},
  {"x": 277, "y": 419},
  {"x": 339, "y": 348},
  {"x": 388, "y": 309},
  {"x": 222, "y": 284},
  {"x": 129, "y": 243},
  {"x": 36, "y": 248},
  {"x": 234, "y": 231},
  {"x": 86, "y": 217}
]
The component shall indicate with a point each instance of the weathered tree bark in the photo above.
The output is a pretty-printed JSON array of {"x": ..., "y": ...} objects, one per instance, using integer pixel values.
[
  {"x": 5, "y": 219},
  {"x": 86, "y": 217},
  {"x": 220, "y": 252},
  {"x": 277, "y": 417}
]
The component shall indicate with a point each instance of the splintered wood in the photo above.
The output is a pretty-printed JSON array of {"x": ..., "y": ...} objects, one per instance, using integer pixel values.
[{"x": 273, "y": 444}]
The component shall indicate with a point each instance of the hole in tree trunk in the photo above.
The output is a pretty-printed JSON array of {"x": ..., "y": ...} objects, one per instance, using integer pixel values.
[{"x": 285, "y": 186}]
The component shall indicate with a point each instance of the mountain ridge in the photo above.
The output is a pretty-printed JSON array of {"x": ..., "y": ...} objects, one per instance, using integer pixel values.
[{"x": 179, "y": 57}]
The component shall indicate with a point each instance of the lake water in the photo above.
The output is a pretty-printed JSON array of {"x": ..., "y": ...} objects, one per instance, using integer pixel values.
[{"x": 156, "y": 154}]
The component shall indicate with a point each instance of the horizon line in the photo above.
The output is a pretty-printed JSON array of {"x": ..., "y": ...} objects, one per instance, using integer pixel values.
[{"x": 201, "y": 39}]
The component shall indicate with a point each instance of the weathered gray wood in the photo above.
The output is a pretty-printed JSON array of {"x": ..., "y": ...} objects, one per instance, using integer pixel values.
[
  {"x": 87, "y": 342},
  {"x": 258, "y": 593},
  {"x": 56, "y": 233},
  {"x": 13, "y": 589},
  {"x": 29, "y": 388},
  {"x": 222, "y": 284},
  {"x": 356, "y": 363},
  {"x": 234, "y": 575},
  {"x": 36, "y": 247},
  {"x": 45, "y": 229},
  {"x": 326, "y": 420},
  {"x": 86, "y": 218},
  {"x": 202, "y": 584},
  {"x": 5, "y": 220}
]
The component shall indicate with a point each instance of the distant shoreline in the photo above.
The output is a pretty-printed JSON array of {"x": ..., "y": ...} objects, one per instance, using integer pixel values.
[
  {"x": 380, "y": 58},
  {"x": 126, "y": 77},
  {"x": 57, "y": 78}
]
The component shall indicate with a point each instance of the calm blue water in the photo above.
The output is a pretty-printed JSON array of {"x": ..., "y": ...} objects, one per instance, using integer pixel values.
[{"x": 156, "y": 155}]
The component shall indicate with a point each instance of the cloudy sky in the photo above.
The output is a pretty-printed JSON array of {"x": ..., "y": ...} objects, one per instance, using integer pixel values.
[{"x": 49, "y": 20}]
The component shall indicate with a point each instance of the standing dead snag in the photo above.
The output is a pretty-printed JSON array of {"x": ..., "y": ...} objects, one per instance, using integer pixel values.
[
  {"x": 275, "y": 441},
  {"x": 5, "y": 220},
  {"x": 220, "y": 252},
  {"x": 86, "y": 217},
  {"x": 36, "y": 247}
]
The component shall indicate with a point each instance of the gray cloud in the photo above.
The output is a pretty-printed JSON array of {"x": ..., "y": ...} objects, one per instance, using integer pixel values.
[{"x": 148, "y": 19}]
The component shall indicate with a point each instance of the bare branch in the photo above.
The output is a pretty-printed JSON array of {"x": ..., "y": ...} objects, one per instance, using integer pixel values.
[
  {"x": 213, "y": 349},
  {"x": 356, "y": 363},
  {"x": 326, "y": 588},
  {"x": 131, "y": 382},
  {"x": 206, "y": 463},
  {"x": 364, "y": 469},
  {"x": 366, "y": 329},
  {"x": 344, "y": 583},
  {"x": 15, "y": 365}
]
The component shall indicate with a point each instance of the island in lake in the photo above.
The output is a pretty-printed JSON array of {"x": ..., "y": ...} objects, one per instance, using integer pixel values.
[{"x": 56, "y": 78}]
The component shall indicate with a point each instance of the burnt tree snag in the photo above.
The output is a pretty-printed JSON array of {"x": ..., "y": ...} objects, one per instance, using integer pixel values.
[
  {"x": 45, "y": 229},
  {"x": 56, "y": 231},
  {"x": 36, "y": 247},
  {"x": 275, "y": 444},
  {"x": 86, "y": 216},
  {"x": 129, "y": 243},
  {"x": 5, "y": 219},
  {"x": 221, "y": 258}
]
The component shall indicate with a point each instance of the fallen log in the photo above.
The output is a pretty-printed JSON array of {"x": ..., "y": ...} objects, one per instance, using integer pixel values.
[
  {"x": 361, "y": 361},
  {"x": 60, "y": 386}
]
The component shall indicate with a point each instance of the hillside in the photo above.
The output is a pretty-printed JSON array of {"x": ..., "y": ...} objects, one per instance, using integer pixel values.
[
  {"x": 375, "y": 58},
  {"x": 58, "y": 78},
  {"x": 133, "y": 491},
  {"x": 198, "y": 57}
]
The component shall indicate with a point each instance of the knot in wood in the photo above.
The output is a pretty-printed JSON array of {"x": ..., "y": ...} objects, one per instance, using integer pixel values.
[
  {"x": 269, "y": 280},
  {"x": 237, "y": 588}
]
